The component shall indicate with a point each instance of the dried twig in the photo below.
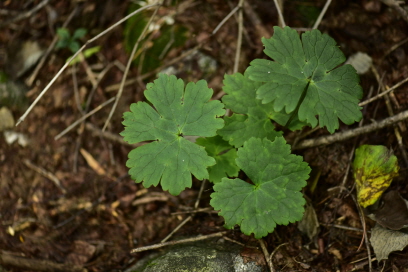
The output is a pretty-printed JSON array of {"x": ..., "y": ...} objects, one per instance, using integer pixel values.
[
  {"x": 396, "y": 5},
  {"x": 131, "y": 81},
  {"x": 365, "y": 237},
  {"x": 342, "y": 136},
  {"x": 322, "y": 13},
  {"x": 278, "y": 8},
  {"x": 202, "y": 210},
  {"x": 266, "y": 254},
  {"x": 33, "y": 76},
  {"x": 360, "y": 124},
  {"x": 261, "y": 30},
  {"x": 239, "y": 40},
  {"x": 225, "y": 20},
  {"x": 342, "y": 227},
  {"x": 21, "y": 119},
  {"x": 80, "y": 120},
  {"x": 177, "y": 228},
  {"x": 26, "y": 14},
  {"x": 275, "y": 250},
  {"x": 392, "y": 48},
  {"x": 190, "y": 216},
  {"x": 130, "y": 60},
  {"x": 109, "y": 135},
  {"x": 24, "y": 263},
  {"x": 46, "y": 174},
  {"x": 383, "y": 93},
  {"x": 189, "y": 240},
  {"x": 391, "y": 113}
]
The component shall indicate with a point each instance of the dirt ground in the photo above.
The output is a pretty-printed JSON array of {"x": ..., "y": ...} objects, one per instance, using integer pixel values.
[{"x": 97, "y": 214}]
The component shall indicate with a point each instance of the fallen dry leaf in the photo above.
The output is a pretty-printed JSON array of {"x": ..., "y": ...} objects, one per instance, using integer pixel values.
[
  {"x": 309, "y": 224},
  {"x": 385, "y": 241},
  {"x": 92, "y": 162},
  {"x": 82, "y": 253},
  {"x": 393, "y": 213}
]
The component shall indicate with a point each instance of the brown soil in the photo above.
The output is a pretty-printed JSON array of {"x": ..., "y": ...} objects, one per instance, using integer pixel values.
[{"x": 104, "y": 214}]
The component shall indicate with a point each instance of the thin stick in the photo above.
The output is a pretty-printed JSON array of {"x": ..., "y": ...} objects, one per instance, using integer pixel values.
[
  {"x": 189, "y": 240},
  {"x": 225, "y": 20},
  {"x": 383, "y": 93},
  {"x": 200, "y": 193},
  {"x": 46, "y": 174},
  {"x": 360, "y": 124},
  {"x": 365, "y": 238},
  {"x": 266, "y": 254},
  {"x": 74, "y": 56},
  {"x": 239, "y": 40},
  {"x": 82, "y": 112},
  {"x": 177, "y": 228},
  {"x": 396, "y": 5},
  {"x": 116, "y": 86},
  {"x": 342, "y": 227},
  {"x": 392, "y": 48},
  {"x": 28, "y": 263},
  {"x": 275, "y": 250},
  {"x": 26, "y": 14},
  {"x": 109, "y": 135},
  {"x": 190, "y": 216},
  {"x": 130, "y": 60},
  {"x": 322, "y": 13},
  {"x": 34, "y": 74},
  {"x": 238, "y": 243},
  {"x": 282, "y": 21},
  {"x": 76, "y": 91},
  {"x": 391, "y": 113},
  {"x": 261, "y": 30},
  {"x": 342, "y": 136},
  {"x": 107, "y": 102},
  {"x": 202, "y": 210}
]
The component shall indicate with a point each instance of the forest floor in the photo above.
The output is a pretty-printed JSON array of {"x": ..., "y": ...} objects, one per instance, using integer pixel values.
[{"x": 69, "y": 204}]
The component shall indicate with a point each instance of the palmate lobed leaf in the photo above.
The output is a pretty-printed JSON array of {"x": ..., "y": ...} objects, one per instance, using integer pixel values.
[
  {"x": 306, "y": 69},
  {"x": 273, "y": 198},
  {"x": 177, "y": 112},
  {"x": 224, "y": 155},
  {"x": 251, "y": 118}
]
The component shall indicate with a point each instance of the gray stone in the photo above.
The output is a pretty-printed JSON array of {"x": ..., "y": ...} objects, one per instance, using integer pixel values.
[{"x": 199, "y": 257}]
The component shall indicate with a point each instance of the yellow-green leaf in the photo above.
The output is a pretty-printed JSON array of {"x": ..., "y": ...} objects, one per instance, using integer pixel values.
[{"x": 374, "y": 168}]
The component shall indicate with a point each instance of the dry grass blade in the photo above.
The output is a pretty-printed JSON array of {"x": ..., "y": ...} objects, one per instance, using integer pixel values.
[
  {"x": 21, "y": 119},
  {"x": 130, "y": 60},
  {"x": 239, "y": 40},
  {"x": 33, "y": 76},
  {"x": 225, "y": 20},
  {"x": 383, "y": 93},
  {"x": 27, "y": 14},
  {"x": 278, "y": 4},
  {"x": 322, "y": 13},
  {"x": 80, "y": 120},
  {"x": 46, "y": 174}
]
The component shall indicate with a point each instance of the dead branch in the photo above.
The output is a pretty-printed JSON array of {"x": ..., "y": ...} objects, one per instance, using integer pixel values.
[
  {"x": 345, "y": 135},
  {"x": 7, "y": 259}
]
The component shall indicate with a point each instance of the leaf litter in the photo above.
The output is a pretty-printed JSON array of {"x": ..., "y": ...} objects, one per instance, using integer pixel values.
[{"x": 353, "y": 27}]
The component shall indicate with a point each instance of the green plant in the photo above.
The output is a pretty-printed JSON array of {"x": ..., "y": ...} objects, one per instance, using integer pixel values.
[
  {"x": 301, "y": 83},
  {"x": 66, "y": 40},
  {"x": 71, "y": 43}
]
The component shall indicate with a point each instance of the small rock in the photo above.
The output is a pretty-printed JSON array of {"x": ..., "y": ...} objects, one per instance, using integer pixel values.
[
  {"x": 6, "y": 119},
  {"x": 203, "y": 256},
  {"x": 361, "y": 62}
]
